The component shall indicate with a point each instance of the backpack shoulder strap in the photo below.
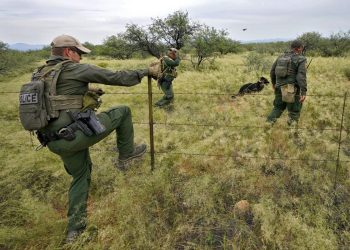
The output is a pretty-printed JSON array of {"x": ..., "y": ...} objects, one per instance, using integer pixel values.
[
  {"x": 56, "y": 70},
  {"x": 37, "y": 74},
  {"x": 52, "y": 72},
  {"x": 162, "y": 66}
]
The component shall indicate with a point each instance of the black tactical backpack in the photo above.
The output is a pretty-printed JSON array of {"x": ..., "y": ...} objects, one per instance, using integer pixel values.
[{"x": 38, "y": 102}]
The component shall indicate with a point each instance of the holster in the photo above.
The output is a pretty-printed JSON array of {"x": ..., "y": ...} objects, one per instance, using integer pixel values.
[{"x": 87, "y": 122}]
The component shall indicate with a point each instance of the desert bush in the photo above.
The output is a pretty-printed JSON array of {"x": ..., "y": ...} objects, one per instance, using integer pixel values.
[
  {"x": 257, "y": 63},
  {"x": 14, "y": 62}
]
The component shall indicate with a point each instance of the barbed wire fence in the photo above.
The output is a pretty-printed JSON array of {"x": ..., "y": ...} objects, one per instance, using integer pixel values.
[{"x": 152, "y": 123}]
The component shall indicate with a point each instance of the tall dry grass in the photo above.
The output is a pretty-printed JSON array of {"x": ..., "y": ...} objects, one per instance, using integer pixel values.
[{"x": 200, "y": 171}]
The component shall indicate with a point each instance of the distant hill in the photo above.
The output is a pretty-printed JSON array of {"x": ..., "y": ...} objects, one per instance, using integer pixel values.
[{"x": 25, "y": 46}]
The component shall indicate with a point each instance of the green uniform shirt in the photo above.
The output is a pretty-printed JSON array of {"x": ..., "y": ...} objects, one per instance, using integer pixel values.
[
  {"x": 169, "y": 67},
  {"x": 75, "y": 79},
  {"x": 297, "y": 75}
]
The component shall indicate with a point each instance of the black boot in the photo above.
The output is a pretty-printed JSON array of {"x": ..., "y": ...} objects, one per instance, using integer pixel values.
[
  {"x": 73, "y": 235},
  {"x": 125, "y": 160}
]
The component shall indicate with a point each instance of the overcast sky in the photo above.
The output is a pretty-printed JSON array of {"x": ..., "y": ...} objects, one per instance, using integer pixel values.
[{"x": 39, "y": 21}]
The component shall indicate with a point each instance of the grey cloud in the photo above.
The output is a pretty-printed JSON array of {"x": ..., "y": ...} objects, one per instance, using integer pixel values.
[
  {"x": 38, "y": 20},
  {"x": 271, "y": 19},
  {"x": 267, "y": 8}
]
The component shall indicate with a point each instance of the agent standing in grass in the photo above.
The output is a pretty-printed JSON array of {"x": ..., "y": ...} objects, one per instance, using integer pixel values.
[
  {"x": 71, "y": 142},
  {"x": 168, "y": 66},
  {"x": 288, "y": 76}
]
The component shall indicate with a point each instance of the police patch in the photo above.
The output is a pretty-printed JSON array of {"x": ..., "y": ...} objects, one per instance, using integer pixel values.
[{"x": 28, "y": 98}]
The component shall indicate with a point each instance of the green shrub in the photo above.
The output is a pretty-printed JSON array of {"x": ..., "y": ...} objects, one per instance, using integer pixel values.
[
  {"x": 15, "y": 62},
  {"x": 257, "y": 63}
]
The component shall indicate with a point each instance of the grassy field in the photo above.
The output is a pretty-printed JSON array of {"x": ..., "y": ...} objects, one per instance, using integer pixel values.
[{"x": 211, "y": 152}]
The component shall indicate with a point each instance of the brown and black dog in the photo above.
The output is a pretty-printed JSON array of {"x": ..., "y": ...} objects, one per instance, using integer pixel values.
[{"x": 252, "y": 87}]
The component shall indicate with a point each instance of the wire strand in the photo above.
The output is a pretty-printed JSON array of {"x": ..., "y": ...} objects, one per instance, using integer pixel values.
[
  {"x": 250, "y": 157},
  {"x": 197, "y": 93}
]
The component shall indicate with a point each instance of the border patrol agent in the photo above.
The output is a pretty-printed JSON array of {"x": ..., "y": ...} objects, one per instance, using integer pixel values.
[
  {"x": 288, "y": 76},
  {"x": 73, "y": 80},
  {"x": 168, "y": 67}
]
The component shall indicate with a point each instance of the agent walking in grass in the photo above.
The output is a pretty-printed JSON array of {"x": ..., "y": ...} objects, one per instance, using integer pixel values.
[
  {"x": 76, "y": 127},
  {"x": 288, "y": 76},
  {"x": 168, "y": 66}
]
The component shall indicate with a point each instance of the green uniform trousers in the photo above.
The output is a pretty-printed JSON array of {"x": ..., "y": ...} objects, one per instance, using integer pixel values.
[
  {"x": 77, "y": 162},
  {"x": 167, "y": 88},
  {"x": 279, "y": 106}
]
